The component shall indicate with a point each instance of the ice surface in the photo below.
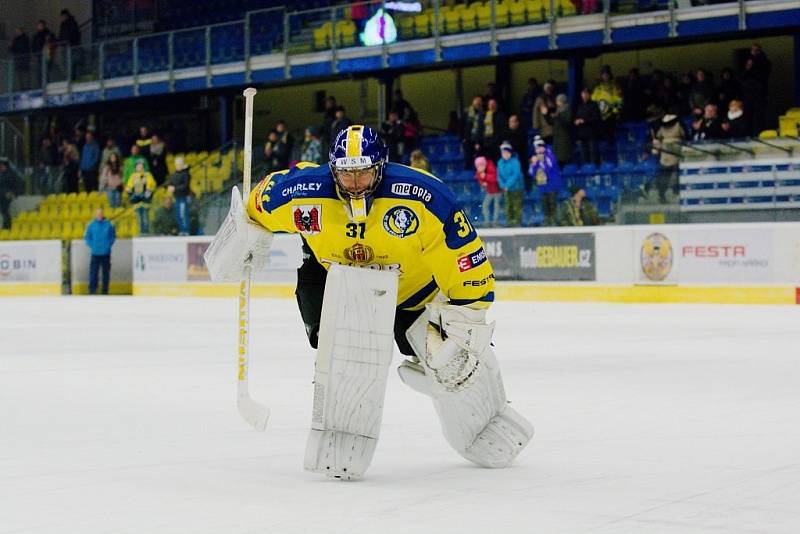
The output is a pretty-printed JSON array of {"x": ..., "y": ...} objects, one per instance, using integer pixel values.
[{"x": 118, "y": 415}]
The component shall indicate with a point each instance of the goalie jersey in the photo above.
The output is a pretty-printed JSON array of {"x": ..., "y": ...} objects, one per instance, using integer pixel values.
[{"x": 413, "y": 225}]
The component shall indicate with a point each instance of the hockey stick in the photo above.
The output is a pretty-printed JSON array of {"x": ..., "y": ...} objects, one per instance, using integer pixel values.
[{"x": 251, "y": 411}]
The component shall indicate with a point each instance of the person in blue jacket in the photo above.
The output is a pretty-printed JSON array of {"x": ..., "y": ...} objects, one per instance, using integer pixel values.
[
  {"x": 547, "y": 176},
  {"x": 511, "y": 182},
  {"x": 100, "y": 236}
]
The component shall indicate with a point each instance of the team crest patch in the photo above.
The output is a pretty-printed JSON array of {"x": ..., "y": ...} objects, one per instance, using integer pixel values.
[
  {"x": 656, "y": 257},
  {"x": 401, "y": 221},
  {"x": 308, "y": 219},
  {"x": 359, "y": 253}
]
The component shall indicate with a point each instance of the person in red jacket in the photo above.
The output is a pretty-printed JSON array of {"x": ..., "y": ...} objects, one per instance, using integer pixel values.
[{"x": 486, "y": 175}]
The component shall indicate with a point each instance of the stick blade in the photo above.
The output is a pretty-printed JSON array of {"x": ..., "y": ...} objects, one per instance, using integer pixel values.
[{"x": 257, "y": 415}]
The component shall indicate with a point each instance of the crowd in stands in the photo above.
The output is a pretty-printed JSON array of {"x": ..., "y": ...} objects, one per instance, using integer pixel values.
[
  {"x": 44, "y": 42},
  {"x": 75, "y": 163}
]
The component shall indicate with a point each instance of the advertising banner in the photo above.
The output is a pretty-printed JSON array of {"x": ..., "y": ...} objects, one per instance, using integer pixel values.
[
  {"x": 502, "y": 253},
  {"x": 705, "y": 255},
  {"x": 158, "y": 260},
  {"x": 30, "y": 261},
  {"x": 546, "y": 257}
]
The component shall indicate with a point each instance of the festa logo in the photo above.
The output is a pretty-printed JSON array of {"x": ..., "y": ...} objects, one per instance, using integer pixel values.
[
  {"x": 470, "y": 261},
  {"x": 656, "y": 257},
  {"x": 409, "y": 190},
  {"x": 714, "y": 251},
  {"x": 400, "y": 222},
  {"x": 308, "y": 219}
]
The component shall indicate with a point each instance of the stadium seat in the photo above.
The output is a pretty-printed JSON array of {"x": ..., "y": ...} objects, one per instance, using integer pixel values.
[
  {"x": 768, "y": 134},
  {"x": 422, "y": 25},
  {"x": 517, "y": 13}
]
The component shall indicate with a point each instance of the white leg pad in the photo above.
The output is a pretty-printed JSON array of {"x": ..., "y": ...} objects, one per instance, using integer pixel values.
[
  {"x": 356, "y": 341},
  {"x": 477, "y": 421}
]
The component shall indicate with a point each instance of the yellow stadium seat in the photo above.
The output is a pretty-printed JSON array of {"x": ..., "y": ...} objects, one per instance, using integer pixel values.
[
  {"x": 768, "y": 134},
  {"x": 422, "y": 25},
  {"x": 452, "y": 22},
  {"x": 788, "y": 125},
  {"x": 793, "y": 112},
  {"x": 536, "y": 10},
  {"x": 406, "y": 26},
  {"x": 566, "y": 8},
  {"x": 469, "y": 19},
  {"x": 5, "y": 235},
  {"x": 516, "y": 13}
]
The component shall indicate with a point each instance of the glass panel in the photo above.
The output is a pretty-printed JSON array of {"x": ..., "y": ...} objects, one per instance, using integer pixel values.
[
  {"x": 154, "y": 53},
  {"x": 227, "y": 42},
  {"x": 118, "y": 59},
  {"x": 190, "y": 48},
  {"x": 8, "y": 82},
  {"x": 57, "y": 63},
  {"x": 266, "y": 31},
  {"x": 86, "y": 63}
]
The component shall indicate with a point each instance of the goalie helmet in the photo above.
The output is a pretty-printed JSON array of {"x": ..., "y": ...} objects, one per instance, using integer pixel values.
[{"x": 357, "y": 148}]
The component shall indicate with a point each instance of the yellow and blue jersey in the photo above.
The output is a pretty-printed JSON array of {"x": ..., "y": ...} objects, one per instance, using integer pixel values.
[{"x": 413, "y": 226}]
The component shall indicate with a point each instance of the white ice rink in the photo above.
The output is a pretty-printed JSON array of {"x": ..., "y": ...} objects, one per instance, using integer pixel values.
[{"x": 117, "y": 415}]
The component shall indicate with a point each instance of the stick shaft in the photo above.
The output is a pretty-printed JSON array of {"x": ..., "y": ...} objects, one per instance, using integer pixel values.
[{"x": 249, "y": 96}]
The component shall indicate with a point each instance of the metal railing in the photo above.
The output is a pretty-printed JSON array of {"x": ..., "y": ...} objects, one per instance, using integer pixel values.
[{"x": 329, "y": 30}]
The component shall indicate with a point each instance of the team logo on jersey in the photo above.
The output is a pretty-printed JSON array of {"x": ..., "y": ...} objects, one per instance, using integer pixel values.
[
  {"x": 359, "y": 253},
  {"x": 400, "y": 221},
  {"x": 308, "y": 219},
  {"x": 470, "y": 261},
  {"x": 656, "y": 257}
]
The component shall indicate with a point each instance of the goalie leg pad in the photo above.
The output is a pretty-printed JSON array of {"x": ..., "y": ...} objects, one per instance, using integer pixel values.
[
  {"x": 355, "y": 349},
  {"x": 476, "y": 420}
]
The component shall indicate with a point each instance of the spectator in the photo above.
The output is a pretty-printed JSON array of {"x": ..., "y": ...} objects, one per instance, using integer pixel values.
[
  {"x": 8, "y": 191},
  {"x": 709, "y": 126},
  {"x": 494, "y": 121},
  {"x": 47, "y": 161},
  {"x": 131, "y": 161},
  {"x": 547, "y": 176},
  {"x": 90, "y": 162},
  {"x": 165, "y": 221},
  {"x": 587, "y": 126},
  {"x": 111, "y": 180},
  {"x": 285, "y": 144},
  {"x": 110, "y": 148},
  {"x": 577, "y": 211},
  {"x": 526, "y": 107},
  {"x": 410, "y": 129},
  {"x": 516, "y": 136},
  {"x": 486, "y": 175},
  {"x": 543, "y": 107},
  {"x": 180, "y": 188},
  {"x": 755, "y": 84},
  {"x": 158, "y": 159},
  {"x": 328, "y": 118},
  {"x": 633, "y": 97},
  {"x": 393, "y": 132},
  {"x": 684, "y": 89},
  {"x": 20, "y": 49},
  {"x": 342, "y": 122},
  {"x": 511, "y": 182},
  {"x": 273, "y": 152},
  {"x": 311, "y": 150},
  {"x": 40, "y": 37},
  {"x": 400, "y": 105},
  {"x": 68, "y": 31},
  {"x": 453, "y": 124},
  {"x": 420, "y": 161},
  {"x": 729, "y": 88},
  {"x": 562, "y": 130},
  {"x": 702, "y": 91},
  {"x": 609, "y": 99},
  {"x": 99, "y": 237},
  {"x": 473, "y": 130},
  {"x": 491, "y": 92},
  {"x": 667, "y": 96},
  {"x": 736, "y": 125},
  {"x": 667, "y": 145},
  {"x": 140, "y": 187},
  {"x": 144, "y": 141},
  {"x": 69, "y": 160}
]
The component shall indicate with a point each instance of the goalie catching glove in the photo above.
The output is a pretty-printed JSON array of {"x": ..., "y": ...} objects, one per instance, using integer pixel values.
[{"x": 238, "y": 243}]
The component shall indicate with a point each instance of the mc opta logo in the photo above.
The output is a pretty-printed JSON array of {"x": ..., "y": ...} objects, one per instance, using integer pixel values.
[{"x": 656, "y": 257}]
